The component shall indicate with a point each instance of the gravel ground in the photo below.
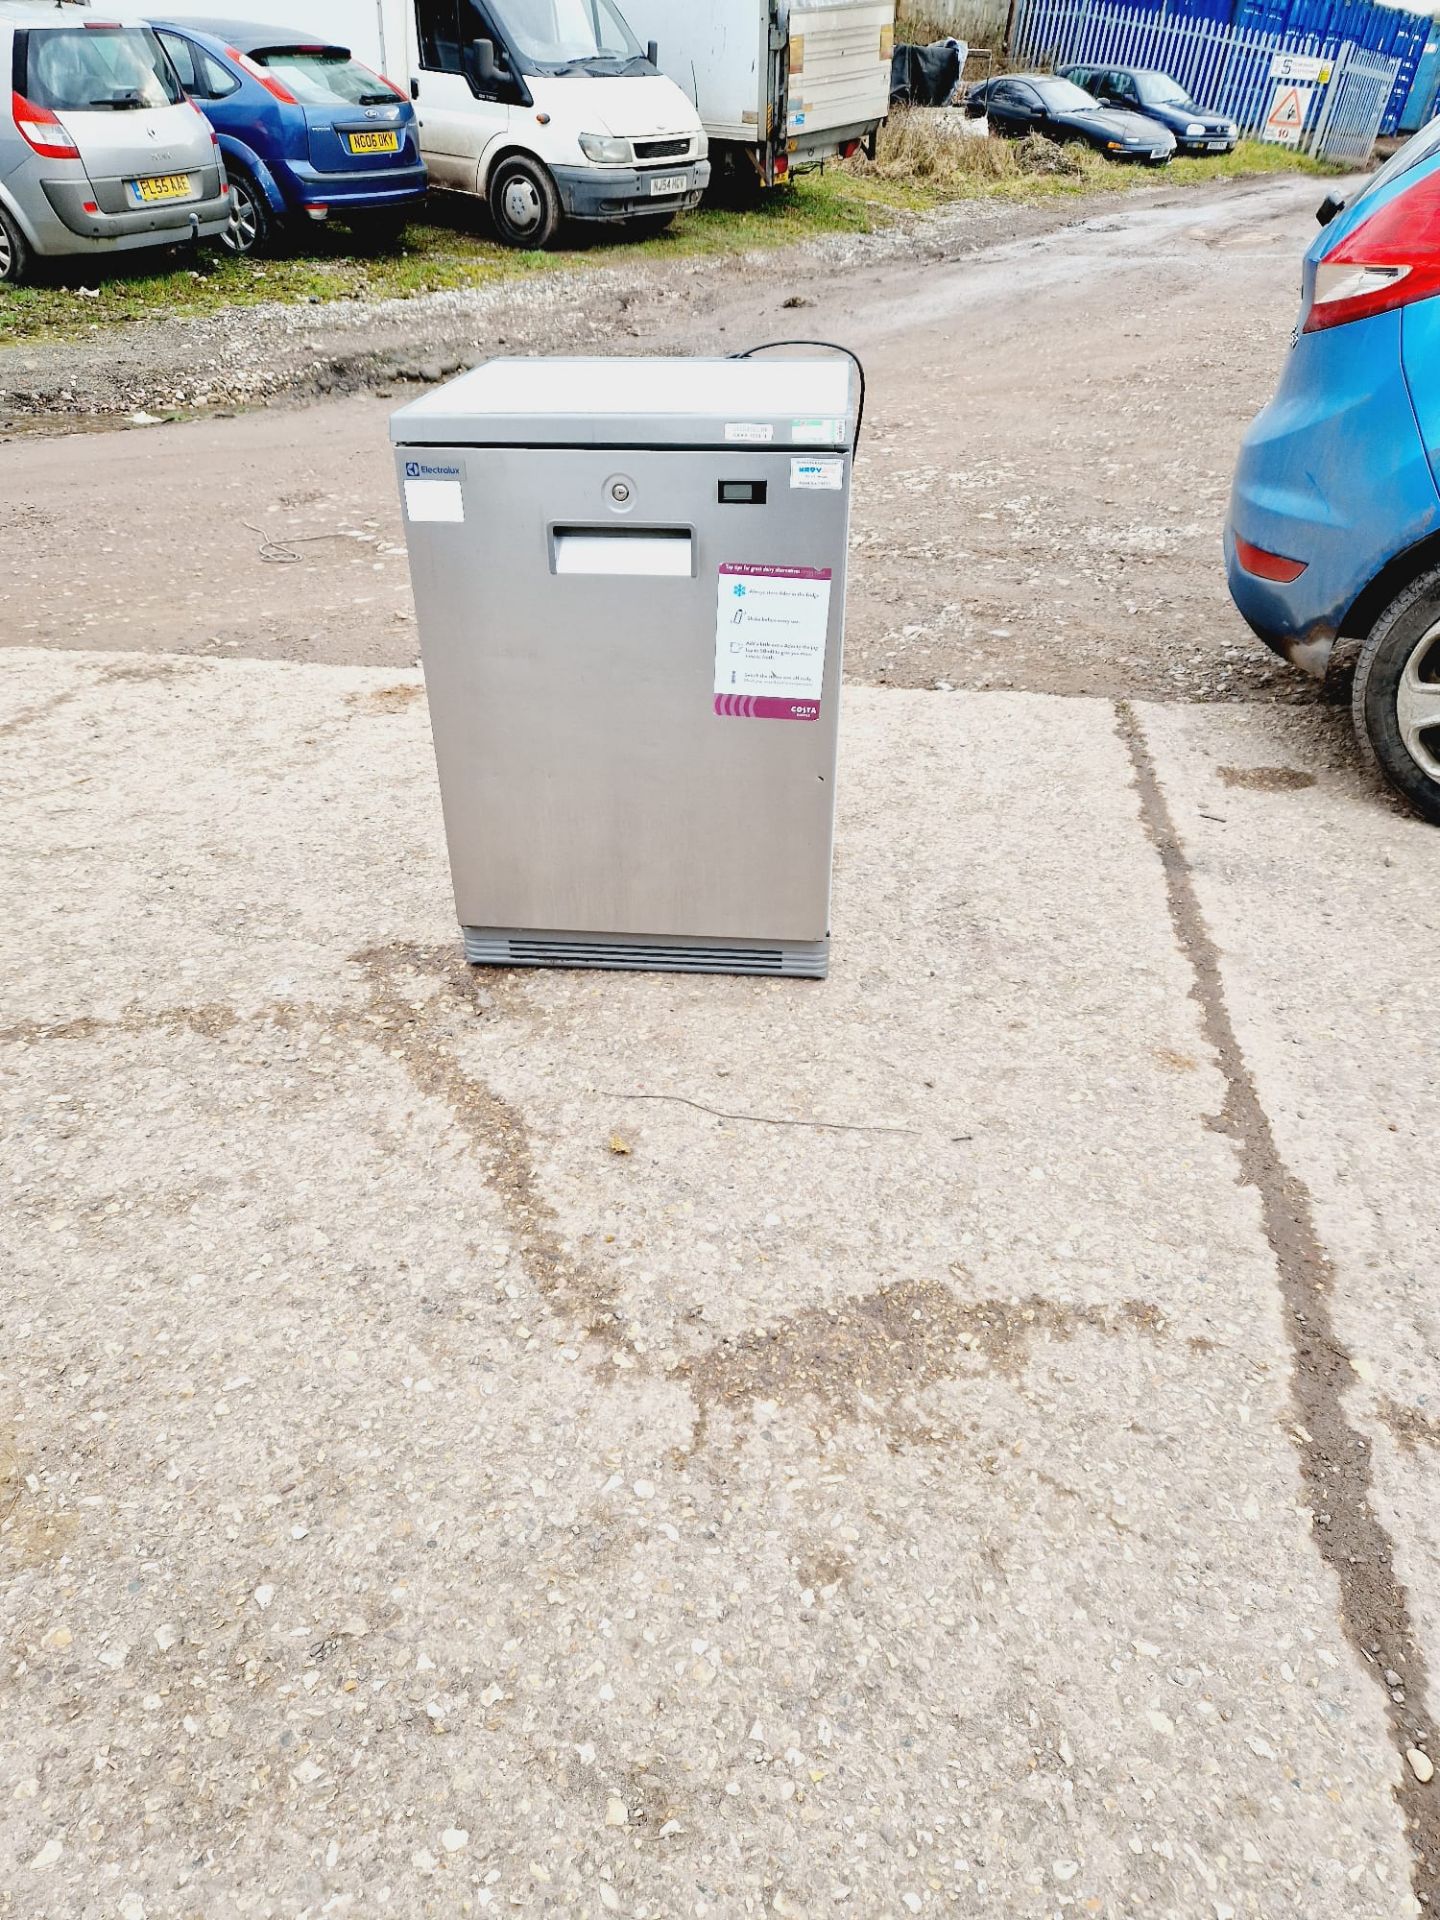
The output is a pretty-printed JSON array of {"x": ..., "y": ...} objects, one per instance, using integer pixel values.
[
  {"x": 1051, "y": 430},
  {"x": 257, "y": 353}
]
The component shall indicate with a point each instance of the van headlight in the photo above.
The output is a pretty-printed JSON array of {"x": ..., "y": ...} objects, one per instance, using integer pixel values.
[{"x": 606, "y": 150}]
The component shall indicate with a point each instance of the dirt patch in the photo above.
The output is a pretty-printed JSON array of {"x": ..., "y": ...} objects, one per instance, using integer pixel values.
[
  {"x": 1267, "y": 779},
  {"x": 28, "y": 1535},
  {"x": 211, "y": 1022},
  {"x": 1336, "y": 1463},
  {"x": 385, "y": 699},
  {"x": 1410, "y": 1427},
  {"x": 865, "y": 1356},
  {"x": 414, "y": 1035}
]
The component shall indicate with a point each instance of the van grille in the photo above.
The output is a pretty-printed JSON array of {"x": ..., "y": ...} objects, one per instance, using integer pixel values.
[{"x": 662, "y": 149}]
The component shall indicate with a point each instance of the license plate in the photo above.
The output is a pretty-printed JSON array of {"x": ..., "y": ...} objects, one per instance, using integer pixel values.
[
  {"x": 161, "y": 186},
  {"x": 669, "y": 183},
  {"x": 373, "y": 142},
  {"x": 1217, "y": 146}
]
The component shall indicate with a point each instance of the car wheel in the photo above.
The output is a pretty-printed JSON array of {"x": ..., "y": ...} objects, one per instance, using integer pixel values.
[
  {"x": 524, "y": 204},
  {"x": 14, "y": 254},
  {"x": 1396, "y": 701},
  {"x": 251, "y": 224}
]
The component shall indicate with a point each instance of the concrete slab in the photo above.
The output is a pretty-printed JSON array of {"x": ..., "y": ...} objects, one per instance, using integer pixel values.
[
  {"x": 1323, "y": 896},
  {"x": 441, "y": 1478}
]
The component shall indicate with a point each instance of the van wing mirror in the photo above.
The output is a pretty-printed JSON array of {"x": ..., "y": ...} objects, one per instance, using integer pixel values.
[
  {"x": 1332, "y": 204},
  {"x": 652, "y": 53},
  {"x": 483, "y": 56}
]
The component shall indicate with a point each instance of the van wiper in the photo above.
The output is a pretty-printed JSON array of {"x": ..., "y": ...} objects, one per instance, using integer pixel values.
[{"x": 601, "y": 65}]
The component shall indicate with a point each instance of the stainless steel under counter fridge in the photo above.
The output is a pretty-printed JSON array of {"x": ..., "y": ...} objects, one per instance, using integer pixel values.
[{"x": 629, "y": 577}]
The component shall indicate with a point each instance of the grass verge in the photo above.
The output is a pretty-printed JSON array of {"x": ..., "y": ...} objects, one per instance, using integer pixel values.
[{"x": 920, "y": 165}]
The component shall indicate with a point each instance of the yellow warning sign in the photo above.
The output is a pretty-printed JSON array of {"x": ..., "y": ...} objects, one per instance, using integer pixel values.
[{"x": 1285, "y": 121}]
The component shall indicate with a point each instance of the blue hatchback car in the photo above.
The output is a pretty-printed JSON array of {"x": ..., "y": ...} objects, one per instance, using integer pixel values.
[
  {"x": 1333, "y": 539},
  {"x": 306, "y": 131}
]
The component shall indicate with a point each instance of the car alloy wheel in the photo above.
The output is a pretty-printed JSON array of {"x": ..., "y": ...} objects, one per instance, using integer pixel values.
[
  {"x": 242, "y": 235},
  {"x": 1417, "y": 703},
  {"x": 1397, "y": 694}
]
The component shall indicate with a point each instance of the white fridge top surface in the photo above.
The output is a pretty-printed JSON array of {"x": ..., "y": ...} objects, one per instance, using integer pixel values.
[{"x": 796, "y": 398}]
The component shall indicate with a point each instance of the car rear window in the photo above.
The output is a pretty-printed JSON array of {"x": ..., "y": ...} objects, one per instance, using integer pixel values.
[
  {"x": 96, "y": 70},
  {"x": 324, "y": 77},
  {"x": 1419, "y": 148}
]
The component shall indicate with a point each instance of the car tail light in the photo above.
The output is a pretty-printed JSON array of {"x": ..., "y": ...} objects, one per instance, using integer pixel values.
[
  {"x": 1390, "y": 260},
  {"x": 41, "y": 130},
  {"x": 266, "y": 79},
  {"x": 1267, "y": 566}
]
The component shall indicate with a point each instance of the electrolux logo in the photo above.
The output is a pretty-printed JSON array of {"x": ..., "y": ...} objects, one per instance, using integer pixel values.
[{"x": 422, "y": 470}]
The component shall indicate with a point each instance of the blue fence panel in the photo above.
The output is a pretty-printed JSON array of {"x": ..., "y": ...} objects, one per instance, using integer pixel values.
[
  {"x": 1328, "y": 24},
  {"x": 1224, "y": 67}
]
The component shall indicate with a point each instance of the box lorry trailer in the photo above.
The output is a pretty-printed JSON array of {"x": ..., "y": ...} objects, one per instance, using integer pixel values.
[
  {"x": 546, "y": 109},
  {"x": 780, "y": 85}
]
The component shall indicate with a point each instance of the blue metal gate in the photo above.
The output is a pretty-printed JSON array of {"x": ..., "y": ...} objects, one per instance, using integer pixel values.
[{"x": 1224, "y": 68}]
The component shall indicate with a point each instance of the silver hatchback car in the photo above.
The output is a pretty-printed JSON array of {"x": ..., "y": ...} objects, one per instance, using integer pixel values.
[{"x": 100, "y": 150}]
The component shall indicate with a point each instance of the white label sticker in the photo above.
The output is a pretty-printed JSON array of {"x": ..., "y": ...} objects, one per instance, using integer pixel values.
[
  {"x": 771, "y": 626},
  {"x": 748, "y": 434},
  {"x": 435, "y": 500},
  {"x": 826, "y": 476},
  {"x": 1298, "y": 66},
  {"x": 817, "y": 432}
]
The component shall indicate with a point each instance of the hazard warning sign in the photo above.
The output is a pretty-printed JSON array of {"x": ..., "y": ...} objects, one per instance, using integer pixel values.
[{"x": 1285, "y": 121}]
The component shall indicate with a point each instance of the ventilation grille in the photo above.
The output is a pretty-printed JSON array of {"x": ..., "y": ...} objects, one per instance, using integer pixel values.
[
  {"x": 662, "y": 149},
  {"x": 800, "y": 959}
]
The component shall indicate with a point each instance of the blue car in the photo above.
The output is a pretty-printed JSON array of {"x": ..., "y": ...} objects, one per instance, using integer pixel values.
[
  {"x": 1333, "y": 538},
  {"x": 306, "y": 131}
]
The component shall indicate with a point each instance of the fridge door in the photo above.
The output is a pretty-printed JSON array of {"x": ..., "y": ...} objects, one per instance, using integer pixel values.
[{"x": 633, "y": 663}]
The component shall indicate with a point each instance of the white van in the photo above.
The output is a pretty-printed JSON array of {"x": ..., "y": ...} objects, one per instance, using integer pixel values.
[
  {"x": 548, "y": 109},
  {"x": 780, "y": 85}
]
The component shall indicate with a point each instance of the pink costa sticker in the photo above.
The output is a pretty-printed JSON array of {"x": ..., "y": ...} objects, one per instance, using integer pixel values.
[
  {"x": 750, "y": 706},
  {"x": 772, "y": 633}
]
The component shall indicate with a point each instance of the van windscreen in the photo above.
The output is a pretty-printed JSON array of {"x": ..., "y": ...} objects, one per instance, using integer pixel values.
[{"x": 568, "y": 36}]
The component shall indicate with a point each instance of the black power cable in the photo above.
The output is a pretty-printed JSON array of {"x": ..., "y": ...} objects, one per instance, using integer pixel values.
[{"x": 829, "y": 346}]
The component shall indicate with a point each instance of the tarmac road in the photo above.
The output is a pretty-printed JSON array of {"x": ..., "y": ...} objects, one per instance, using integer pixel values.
[{"x": 958, "y": 1439}]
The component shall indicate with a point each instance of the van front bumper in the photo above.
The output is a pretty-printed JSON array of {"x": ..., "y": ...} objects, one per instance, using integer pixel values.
[{"x": 622, "y": 193}]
